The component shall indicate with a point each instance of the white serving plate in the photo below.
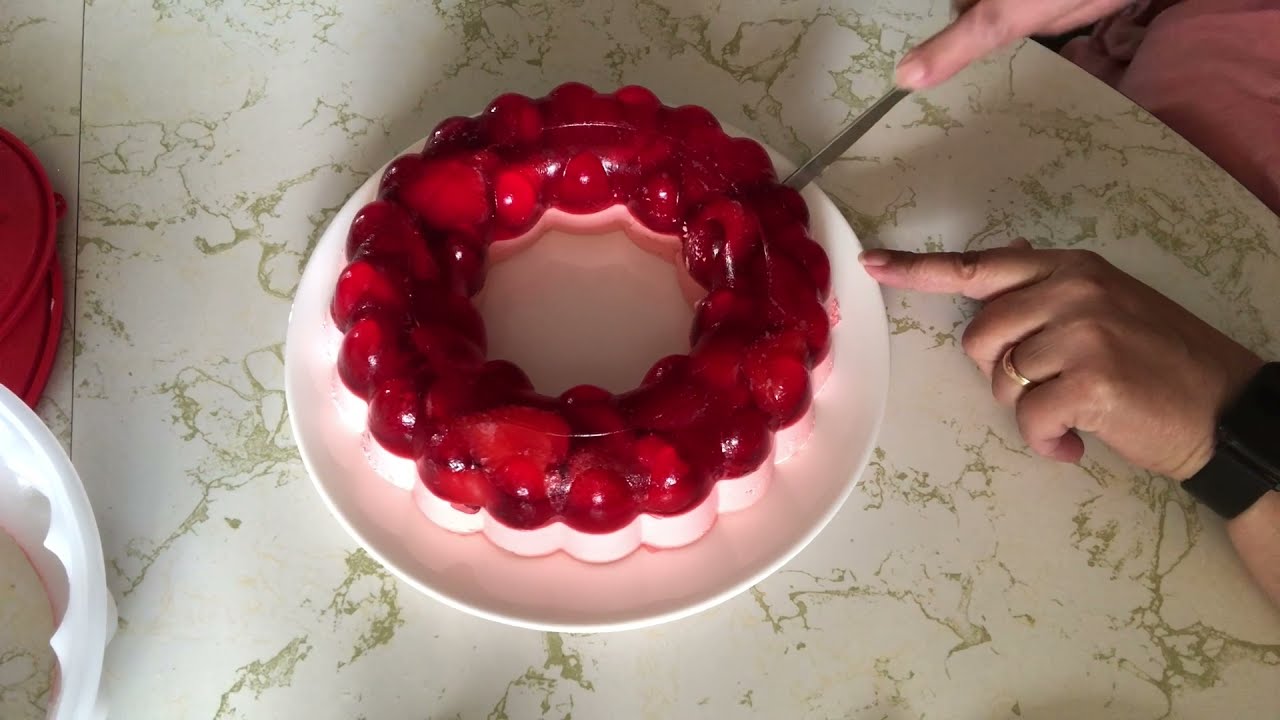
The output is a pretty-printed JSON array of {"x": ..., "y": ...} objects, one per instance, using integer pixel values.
[
  {"x": 558, "y": 593},
  {"x": 44, "y": 508}
]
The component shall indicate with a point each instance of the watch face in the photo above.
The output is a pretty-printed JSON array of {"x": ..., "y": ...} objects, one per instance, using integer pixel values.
[{"x": 1252, "y": 424}]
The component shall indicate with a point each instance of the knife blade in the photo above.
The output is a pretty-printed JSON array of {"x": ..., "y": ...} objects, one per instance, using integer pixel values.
[{"x": 814, "y": 166}]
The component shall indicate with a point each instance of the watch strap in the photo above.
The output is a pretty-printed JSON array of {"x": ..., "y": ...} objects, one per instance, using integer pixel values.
[{"x": 1229, "y": 484}]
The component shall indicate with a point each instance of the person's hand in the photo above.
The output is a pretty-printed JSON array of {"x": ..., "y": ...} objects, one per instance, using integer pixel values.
[
  {"x": 985, "y": 26},
  {"x": 1105, "y": 353}
]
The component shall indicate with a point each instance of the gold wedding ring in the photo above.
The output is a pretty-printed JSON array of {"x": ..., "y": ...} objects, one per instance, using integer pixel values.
[{"x": 1011, "y": 371}]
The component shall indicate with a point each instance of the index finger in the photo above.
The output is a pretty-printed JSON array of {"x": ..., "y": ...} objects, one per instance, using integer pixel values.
[{"x": 980, "y": 275}]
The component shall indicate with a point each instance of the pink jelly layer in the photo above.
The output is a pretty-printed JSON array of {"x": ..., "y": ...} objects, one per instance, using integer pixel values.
[{"x": 661, "y": 532}]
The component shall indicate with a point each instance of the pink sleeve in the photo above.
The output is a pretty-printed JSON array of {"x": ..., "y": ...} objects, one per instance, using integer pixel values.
[{"x": 1210, "y": 69}]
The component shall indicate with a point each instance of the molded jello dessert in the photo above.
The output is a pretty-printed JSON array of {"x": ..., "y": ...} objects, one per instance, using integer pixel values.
[{"x": 594, "y": 474}]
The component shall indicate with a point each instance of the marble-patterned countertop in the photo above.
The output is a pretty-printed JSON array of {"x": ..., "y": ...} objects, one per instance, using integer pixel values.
[{"x": 203, "y": 146}]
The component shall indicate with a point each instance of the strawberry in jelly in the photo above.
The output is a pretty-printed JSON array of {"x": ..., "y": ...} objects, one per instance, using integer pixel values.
[
  {"x": 396, "y": 419},
  {"x": 724, "y": 308},
  {"x": 453, "y": 135},
  {"x": 399, "y": 172},
  {"x": 671, "y": 484},
  {"x": 371, "y": 354},
  {"x": 462, "y": 261},
  {"x": 517, "y": 200},
  {"x": 658, "y": 205},
  {"x": 778, "y": 377},
  {"x": 722, "y": 242},
  {"x": 793, "y": 240},
  {"x": 731, "y": 444},
  {"x": 584, "y": 186},
  {"x": 449, "y": 194},
  {"x": 512, "y": 121},
  {"x": 600, "y": 499},
  {"x": 365, "y": 286}
]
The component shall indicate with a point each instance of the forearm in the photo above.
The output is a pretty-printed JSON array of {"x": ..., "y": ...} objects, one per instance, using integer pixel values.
[{"x": 1256, "y": 536}]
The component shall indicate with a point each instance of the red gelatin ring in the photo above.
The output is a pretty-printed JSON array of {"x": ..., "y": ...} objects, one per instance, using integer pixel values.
[{"x": 531, "y": 460}]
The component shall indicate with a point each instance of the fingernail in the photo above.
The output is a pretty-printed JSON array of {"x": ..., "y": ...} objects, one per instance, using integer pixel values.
[
  {"x": 875, "y": 258},
  {"x": 910, "y": 72}
]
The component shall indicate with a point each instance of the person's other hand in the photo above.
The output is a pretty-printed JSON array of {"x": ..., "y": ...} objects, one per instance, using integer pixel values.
[
  {"x": 985, "y": 26},
  {"x": 1106, "y": 354}
]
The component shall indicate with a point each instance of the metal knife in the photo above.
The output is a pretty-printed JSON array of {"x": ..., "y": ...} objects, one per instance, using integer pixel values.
[{"x": 814, "y": 166}]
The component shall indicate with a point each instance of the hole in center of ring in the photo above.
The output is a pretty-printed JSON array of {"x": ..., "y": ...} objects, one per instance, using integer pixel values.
[{"x": 580, "y": 301}]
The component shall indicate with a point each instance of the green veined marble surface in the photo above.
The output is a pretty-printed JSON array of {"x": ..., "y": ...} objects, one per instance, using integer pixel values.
[{"x": 205, "y": 144}]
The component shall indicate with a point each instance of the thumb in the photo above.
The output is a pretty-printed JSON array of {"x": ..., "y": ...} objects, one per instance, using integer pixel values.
[
  {"x": 980, "y": 275},
  {"x": 1068, "y": 449},
  {"x": 982, "y": 28}
]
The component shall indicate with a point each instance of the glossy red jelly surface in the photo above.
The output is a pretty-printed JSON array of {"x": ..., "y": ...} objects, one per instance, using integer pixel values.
[{"x": 414, "y": 345}]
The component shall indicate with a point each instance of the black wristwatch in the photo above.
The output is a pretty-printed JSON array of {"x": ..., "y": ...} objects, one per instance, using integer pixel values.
[{"x": 1246, "y": 460}]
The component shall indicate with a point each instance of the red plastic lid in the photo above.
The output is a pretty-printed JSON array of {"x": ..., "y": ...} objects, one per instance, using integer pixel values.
[
  {"x": 28, "y": 214},
  {"x": 27, "y": 351}
]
